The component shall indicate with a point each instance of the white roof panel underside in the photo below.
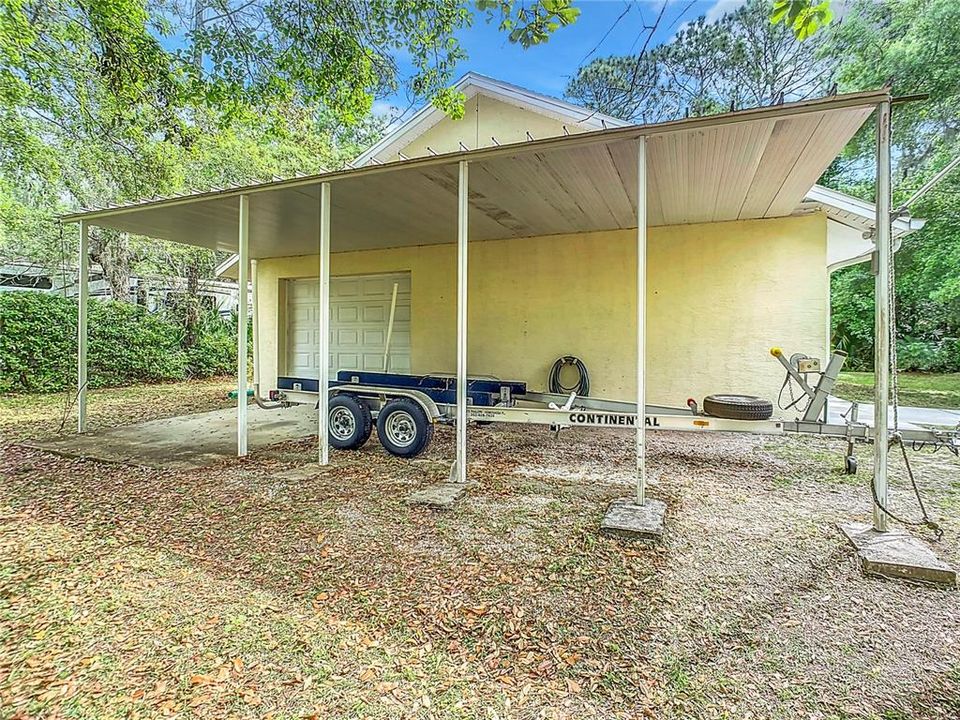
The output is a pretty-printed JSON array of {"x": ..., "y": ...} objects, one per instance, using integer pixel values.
[{"x": 750, "y": 164}]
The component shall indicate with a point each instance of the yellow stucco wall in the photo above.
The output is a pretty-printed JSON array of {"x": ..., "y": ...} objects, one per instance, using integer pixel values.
[
  {"x": 483, "y": 118},
  {"x": 719, "y": 296}
]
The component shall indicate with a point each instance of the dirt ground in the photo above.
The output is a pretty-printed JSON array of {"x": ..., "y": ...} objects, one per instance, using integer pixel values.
[{"x": 236, "y": 591}]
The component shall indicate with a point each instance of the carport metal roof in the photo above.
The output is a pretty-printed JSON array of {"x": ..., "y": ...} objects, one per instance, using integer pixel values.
[{"x": 748, "y": 164}]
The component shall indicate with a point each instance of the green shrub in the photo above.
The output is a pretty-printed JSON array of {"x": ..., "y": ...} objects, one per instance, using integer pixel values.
[
  {"x": 214, "y": 351},
  {"x": 929, "y": 356},
  {"x": 127, "y": 344},
  {"x": 38, "y": 342}
]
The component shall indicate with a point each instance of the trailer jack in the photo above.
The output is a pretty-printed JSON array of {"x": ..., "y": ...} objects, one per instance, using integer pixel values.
[{"x": 813, "y": 420}]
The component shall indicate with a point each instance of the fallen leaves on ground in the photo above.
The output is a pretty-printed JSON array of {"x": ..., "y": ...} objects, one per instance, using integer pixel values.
[{"x": 234, "y": 591}]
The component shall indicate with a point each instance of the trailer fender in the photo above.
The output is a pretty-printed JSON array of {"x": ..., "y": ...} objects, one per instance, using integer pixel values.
[{"x": 430, "y": 408}]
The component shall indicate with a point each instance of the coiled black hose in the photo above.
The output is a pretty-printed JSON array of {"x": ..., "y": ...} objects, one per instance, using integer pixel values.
[{"x": 581, "y": 387}]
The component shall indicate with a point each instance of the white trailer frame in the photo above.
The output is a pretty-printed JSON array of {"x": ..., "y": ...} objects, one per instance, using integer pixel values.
[
  {"x": 566, "y": 411},
  {"x": 534, "y": 409}
]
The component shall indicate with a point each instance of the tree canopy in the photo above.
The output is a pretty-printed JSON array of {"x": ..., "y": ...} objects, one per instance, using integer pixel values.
[
  {"x": 104, "y": 101},
  {"x": 915, "y": 45},
  {"x": 745, "y": 60},
  {"x": 803, "y": 17},
  {"x": 741, "y": 60}
]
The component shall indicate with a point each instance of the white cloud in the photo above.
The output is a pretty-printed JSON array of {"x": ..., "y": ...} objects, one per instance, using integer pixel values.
[
  {"x": 721, "y": 8},
  {"x": 388, "y": 111},
  {"x": 714, "y": 13},
  {"x": 382, "y": 107}
]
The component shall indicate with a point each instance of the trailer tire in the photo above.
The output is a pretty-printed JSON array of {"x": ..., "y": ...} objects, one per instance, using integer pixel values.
[
  {"x": 349, "y": 422},
  {"x": 737, "y": 407},
  {"x": 403, "y": 428}
]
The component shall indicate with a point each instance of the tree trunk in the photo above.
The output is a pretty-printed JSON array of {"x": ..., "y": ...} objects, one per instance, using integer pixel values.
[
  {"x": 111, "y": 251},
  {"x": 192, "y": 304}
]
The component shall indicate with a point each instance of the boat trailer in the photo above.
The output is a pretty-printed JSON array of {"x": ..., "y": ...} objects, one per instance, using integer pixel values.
[{"x": 405, "y": 409}]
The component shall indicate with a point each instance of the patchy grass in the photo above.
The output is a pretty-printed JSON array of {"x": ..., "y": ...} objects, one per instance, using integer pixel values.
[
  {"x": 235, "y": 591},
  {"x": 933, "y": 390},
  {"x": 39, "y": 415}
]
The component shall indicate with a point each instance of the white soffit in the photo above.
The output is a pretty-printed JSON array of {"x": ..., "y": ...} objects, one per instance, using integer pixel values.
[
  {"x": 749, "y": 164},
  {"x": 855, "y": 213}
]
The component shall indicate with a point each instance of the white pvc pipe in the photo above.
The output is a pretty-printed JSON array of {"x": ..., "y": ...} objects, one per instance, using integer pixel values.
[
  {"x": 462, "y": 238},
  {"x": 881, "y": 360},
  {"x": 393, "y": 311},
  {"x": 323, "y": 328},
  {"x": 256, "y": 326},
  {"x": 83, "y": 298},
  {"x": 243, "y": 265},
  {"x": 641, "y": 318}
]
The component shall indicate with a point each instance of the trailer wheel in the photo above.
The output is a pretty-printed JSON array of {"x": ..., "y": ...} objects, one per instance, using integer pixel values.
[
  {"x": 349, "y": 422},
  {"x": 403, "y": 428},
  {"x": 737, "y": 407}
]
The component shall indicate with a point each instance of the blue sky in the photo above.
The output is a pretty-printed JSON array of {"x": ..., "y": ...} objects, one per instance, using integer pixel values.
[{"x": 600, "y": 30}]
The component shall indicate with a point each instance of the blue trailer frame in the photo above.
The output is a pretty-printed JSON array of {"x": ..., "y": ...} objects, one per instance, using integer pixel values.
[{"x": 442, "y": 389}]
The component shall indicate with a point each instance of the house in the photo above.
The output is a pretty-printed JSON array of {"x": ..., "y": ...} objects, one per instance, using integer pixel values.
[
  {"x": 25, "y": 275},
  {"x": 734, "y": 266},
  {"x": 668, "y": 257},
  {"x": 153, "y": 293}
]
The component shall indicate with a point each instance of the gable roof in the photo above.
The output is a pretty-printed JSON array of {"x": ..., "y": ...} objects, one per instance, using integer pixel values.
[{"x": 473, "y": 84}]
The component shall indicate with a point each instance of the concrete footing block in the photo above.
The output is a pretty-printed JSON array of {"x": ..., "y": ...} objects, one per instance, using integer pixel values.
[
  {"x": 626, "y": 520},
  {"x": 897, "y": 554},
  {"x": 442, "y": 496}
]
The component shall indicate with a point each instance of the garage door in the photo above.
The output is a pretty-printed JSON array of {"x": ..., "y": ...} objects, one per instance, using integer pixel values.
[{"x": 359, "y": 315}]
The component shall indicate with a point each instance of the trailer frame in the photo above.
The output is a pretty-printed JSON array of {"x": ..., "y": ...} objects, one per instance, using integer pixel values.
[{"x": 490, "y": 400}]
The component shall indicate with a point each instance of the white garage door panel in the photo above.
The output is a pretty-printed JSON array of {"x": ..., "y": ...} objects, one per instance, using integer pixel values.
[{"x": 359, "y": 315}]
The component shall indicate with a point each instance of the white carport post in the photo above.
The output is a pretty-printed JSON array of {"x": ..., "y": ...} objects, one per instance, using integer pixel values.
[
  {"x": 881, "y": 359},
  {"x": 460, "y": 468},
  {"x": 323, "y": 328},
  {"x": 83, "y": 297},
  {"x": 243, "y": 278},
  {"x": 641, "y": 319},
  {"x": 255, "y": 326}
]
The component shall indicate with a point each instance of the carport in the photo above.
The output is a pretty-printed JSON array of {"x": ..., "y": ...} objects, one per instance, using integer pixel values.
[{"x": 749, "y": 164}]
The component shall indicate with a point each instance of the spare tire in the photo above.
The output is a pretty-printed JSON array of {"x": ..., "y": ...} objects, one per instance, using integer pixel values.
[{"x": 737, "y": 407}]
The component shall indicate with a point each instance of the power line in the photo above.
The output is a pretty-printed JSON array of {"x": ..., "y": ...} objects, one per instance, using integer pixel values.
[{"x": 606, "y": 34}]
